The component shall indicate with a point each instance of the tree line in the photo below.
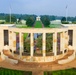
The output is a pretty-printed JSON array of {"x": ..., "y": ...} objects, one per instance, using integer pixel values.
[{"x": 30, "y": 19}]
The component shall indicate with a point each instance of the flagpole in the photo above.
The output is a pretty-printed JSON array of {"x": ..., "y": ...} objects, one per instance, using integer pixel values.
[
  {"x": 66, "y": 13},
  {"x": 10, "y": 14}
]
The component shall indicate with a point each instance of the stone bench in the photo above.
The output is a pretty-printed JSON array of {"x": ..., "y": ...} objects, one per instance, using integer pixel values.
[
  {"x": 67, "y": 60},
  {"x": 12, "y": 61}
]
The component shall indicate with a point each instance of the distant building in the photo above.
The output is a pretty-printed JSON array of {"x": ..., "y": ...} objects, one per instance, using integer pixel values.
[
  {"x": 38, "y": 18},
  {"x": 23, "y": 21},
  {"x": 70, "y": 22},
  {"x": 2, "y": 21},
  {"x": 55, "y": 22}
]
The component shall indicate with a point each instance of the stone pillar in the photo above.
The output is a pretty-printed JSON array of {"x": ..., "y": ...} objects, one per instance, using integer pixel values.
[
  {"x": 32, "y": 45},
  {"x": 10, "y": 40},
  {"x": 74, "y": 39},
  {"x": 62, "y": 42},
  {"x": 13, "y": 42},
  {"x": 2, "y": 43},
  {"x": 55, "y": 44},
  {"x": 44, "y": 44},
  {"x": 66, "y": 40},
  {"x": 21, "y": 43}
]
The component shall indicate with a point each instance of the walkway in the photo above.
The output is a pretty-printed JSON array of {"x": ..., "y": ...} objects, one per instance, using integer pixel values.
[{"x": 38, "y": 24}]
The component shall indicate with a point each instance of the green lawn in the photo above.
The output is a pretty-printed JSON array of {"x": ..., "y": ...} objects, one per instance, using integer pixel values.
[
  {"x": 53, "y": 26},
  {"x": 62, "y": 72},
  {"x": 38, "y": 24},
  {"x": 4, "y": 71},
  {"x": 22, "y": 26}
]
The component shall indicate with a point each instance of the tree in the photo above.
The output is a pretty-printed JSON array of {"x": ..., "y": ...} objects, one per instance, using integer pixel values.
[
  {"x": 13, "y": 18},
  {"x": 63, "y": 19},
  {"x": 45, "y": 20},
  {"x": 39, "y": 42},
  {"x": 30, "y": 20},
  {"x": 49, "y": 42},
  {"x": 74, "y": 20},
  {"x": 27, "y": 44},
  {"x": 52, "y": 17}
]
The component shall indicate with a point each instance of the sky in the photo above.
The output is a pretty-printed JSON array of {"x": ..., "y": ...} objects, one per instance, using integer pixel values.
[{"x": 39, "y": 7}]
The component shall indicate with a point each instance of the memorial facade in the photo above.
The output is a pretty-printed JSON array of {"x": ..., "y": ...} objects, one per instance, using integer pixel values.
[{"x": 8, "y": 37}]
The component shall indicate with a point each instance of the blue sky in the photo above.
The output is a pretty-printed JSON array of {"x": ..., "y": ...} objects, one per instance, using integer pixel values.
[{"x": 39, "y": 7}]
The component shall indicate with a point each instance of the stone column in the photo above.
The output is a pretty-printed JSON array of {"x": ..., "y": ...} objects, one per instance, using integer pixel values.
[
  {"x": 13, "y": 42},
  {"x": 44, "y": 44},
  {"x": 74, "y": 39},
  {"x": 21, "y": 43},
  {"x": 66, "y": 40},
  {"x": 32, "y": 45},
  {"x": 62, "y": 42},
  {"x": 2, "y": 43},
  {"x": 55, "y": 44},
  {"x": 10, "y": 39}
]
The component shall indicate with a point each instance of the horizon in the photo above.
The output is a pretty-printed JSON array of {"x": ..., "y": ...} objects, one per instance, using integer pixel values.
[
  {"x": 37, "y": 7},
  {"x": 36, "y": 14}
]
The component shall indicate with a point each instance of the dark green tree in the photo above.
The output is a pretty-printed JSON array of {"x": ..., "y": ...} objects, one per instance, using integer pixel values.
[
  {"x": 13, "y": 19},
  {"x": 49, "y": 42},
  {"x": 52, "y": 17},
  {"x": 63, "y": 19},
  {"x": 39, "y": 42},
  {"x": 30, "y": 20},
  {"x": 74, "y": 20},
  {"x": 45, "y": 20},
  {"x": 27, "y": 44}
]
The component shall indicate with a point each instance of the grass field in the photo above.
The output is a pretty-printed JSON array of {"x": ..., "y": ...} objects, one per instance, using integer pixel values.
[
  {"x": 53, "y": 26},
  {"x": 4, "y": 71},
  {"x": 22, "y": 26},
  {"x": 62, "y": 72},
  {"x": 38, "y": 24}
]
